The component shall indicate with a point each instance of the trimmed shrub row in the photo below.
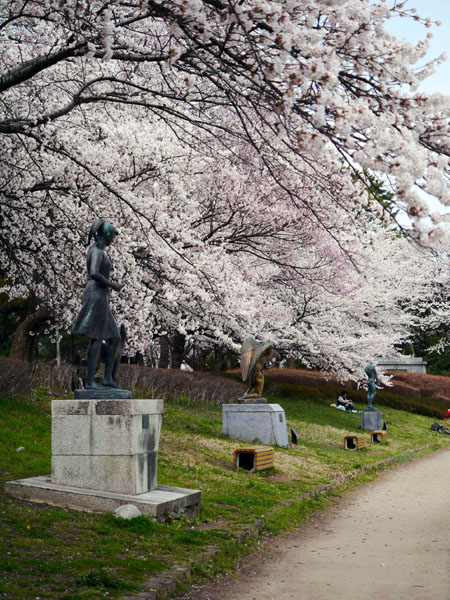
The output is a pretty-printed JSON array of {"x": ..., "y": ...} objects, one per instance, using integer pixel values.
[
  {"x": 402, "y": 396},
  {"x": 18, "y": 378},
  {"x": 15, "y": 378}
]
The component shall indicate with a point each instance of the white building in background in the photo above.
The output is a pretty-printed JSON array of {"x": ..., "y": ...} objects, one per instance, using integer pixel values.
[{"x": 413, "y": 364}]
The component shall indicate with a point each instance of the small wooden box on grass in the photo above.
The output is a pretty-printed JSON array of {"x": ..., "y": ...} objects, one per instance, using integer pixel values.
[
  {"x": 378, "y": 436},
  {"x": 254, "y": 458},
  {"x": 354, "y": 441}
]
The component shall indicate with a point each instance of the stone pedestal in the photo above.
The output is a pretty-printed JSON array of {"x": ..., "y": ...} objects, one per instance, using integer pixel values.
[
  {"x": 104, "y": 455},
  {"x": 265, "y": 423},
  {"x": 371, "y": 420},
  {"x": 106, "y": 445},
  {"x": 160, "y": 503}
]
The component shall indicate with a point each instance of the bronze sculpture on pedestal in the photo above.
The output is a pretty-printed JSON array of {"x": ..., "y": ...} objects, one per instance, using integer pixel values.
[
  {"x": 255, "y": 357},
  {"x": 95, "y": 319},
  {"x": 371, "y": 373}
]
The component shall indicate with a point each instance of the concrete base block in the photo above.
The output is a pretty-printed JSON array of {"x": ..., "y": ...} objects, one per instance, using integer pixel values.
[
  {"x": 265, "y": 423},
  {"x": 160, "y": 502},
  {"x": 371, "y": 420},
  {"x": 106, "y": 444},
  {"x": 134, "y": 474}
]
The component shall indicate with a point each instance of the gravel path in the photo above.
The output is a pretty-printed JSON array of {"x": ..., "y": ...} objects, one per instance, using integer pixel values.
[{"x": 383, "y": 540}]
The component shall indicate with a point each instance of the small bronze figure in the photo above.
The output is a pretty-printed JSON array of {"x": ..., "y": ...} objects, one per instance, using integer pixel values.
[
  {"x": 95, "y": 319},
  {"x": 255, "y": 357},
  {"x": 371, "y": 373}
]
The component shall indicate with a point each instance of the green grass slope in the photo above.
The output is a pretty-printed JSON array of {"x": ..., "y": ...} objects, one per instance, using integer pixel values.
[{"x": 63, "y": 554}]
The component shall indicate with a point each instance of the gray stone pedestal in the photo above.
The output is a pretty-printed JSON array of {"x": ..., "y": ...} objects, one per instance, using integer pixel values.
[
  {"x": 159, "y": 503},
  {"x": 105, "y": 454},
  {"x": 106, "y": 445},
  {"x": 265, "y": 423},
  {"x": 371, "y": 419}
]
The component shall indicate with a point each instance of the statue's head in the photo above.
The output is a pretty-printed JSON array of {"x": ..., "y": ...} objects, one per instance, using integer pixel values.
[
  {"x": 109, "y": 233},
  {"x": 102, "y": 229},
  {"x": 370, "y": 369}
]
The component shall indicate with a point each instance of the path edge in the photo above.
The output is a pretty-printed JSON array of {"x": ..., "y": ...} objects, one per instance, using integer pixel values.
[{"x": 165, "y": 584}]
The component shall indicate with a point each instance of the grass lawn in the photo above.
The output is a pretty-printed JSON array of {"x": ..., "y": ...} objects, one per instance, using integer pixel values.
[{"x": 50, "y": 552}]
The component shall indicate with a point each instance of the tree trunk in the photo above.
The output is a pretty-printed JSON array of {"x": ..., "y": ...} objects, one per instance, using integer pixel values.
[
  {"x": 197, "y": 359},
  {"x": 58, "y": 352},
  {"x": 139, "y": 359},
  {"x": 163, "y": 362},
  {"x": 24, "y": 345},
  {"x": 17, "y": 306},
  {"x": 229, "y": 360},
  {"x": 177, "y": 350},
  {"x": 218, "y": 357},
  {"x": 290, "y": 363}
]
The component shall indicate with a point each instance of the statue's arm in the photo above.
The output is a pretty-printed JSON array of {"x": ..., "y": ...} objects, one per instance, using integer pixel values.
[{"x": 94, "y": 272}]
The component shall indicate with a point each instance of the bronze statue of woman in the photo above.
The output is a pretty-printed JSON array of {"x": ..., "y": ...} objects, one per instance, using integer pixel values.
[
  {"x": 371, "y": 373},
  {"x": 95, "y": 319}
]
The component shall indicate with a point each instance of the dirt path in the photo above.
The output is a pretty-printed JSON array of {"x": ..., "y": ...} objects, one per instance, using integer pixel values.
[{"x": 384, "y": 540}]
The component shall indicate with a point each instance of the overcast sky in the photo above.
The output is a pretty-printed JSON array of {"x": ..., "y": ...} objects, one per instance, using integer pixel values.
[{"x": 413, "y": 32}]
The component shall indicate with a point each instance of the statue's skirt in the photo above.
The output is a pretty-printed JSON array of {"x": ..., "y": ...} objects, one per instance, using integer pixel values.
[{"x": 95, "y": 319}]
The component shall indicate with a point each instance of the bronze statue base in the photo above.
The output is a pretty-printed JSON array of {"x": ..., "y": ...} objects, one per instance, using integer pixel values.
[
  {"x": 107, "y": 393},
  {"x": 251, "y": 400}
]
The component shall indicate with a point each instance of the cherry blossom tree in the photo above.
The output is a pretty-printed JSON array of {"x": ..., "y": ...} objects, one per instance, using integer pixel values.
[
  {"x": 432, "y": 333},
  {"x": 211, "y": 248},
  {"x": 214, "y": 135},
  {"x": 321, "y": 78}
]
